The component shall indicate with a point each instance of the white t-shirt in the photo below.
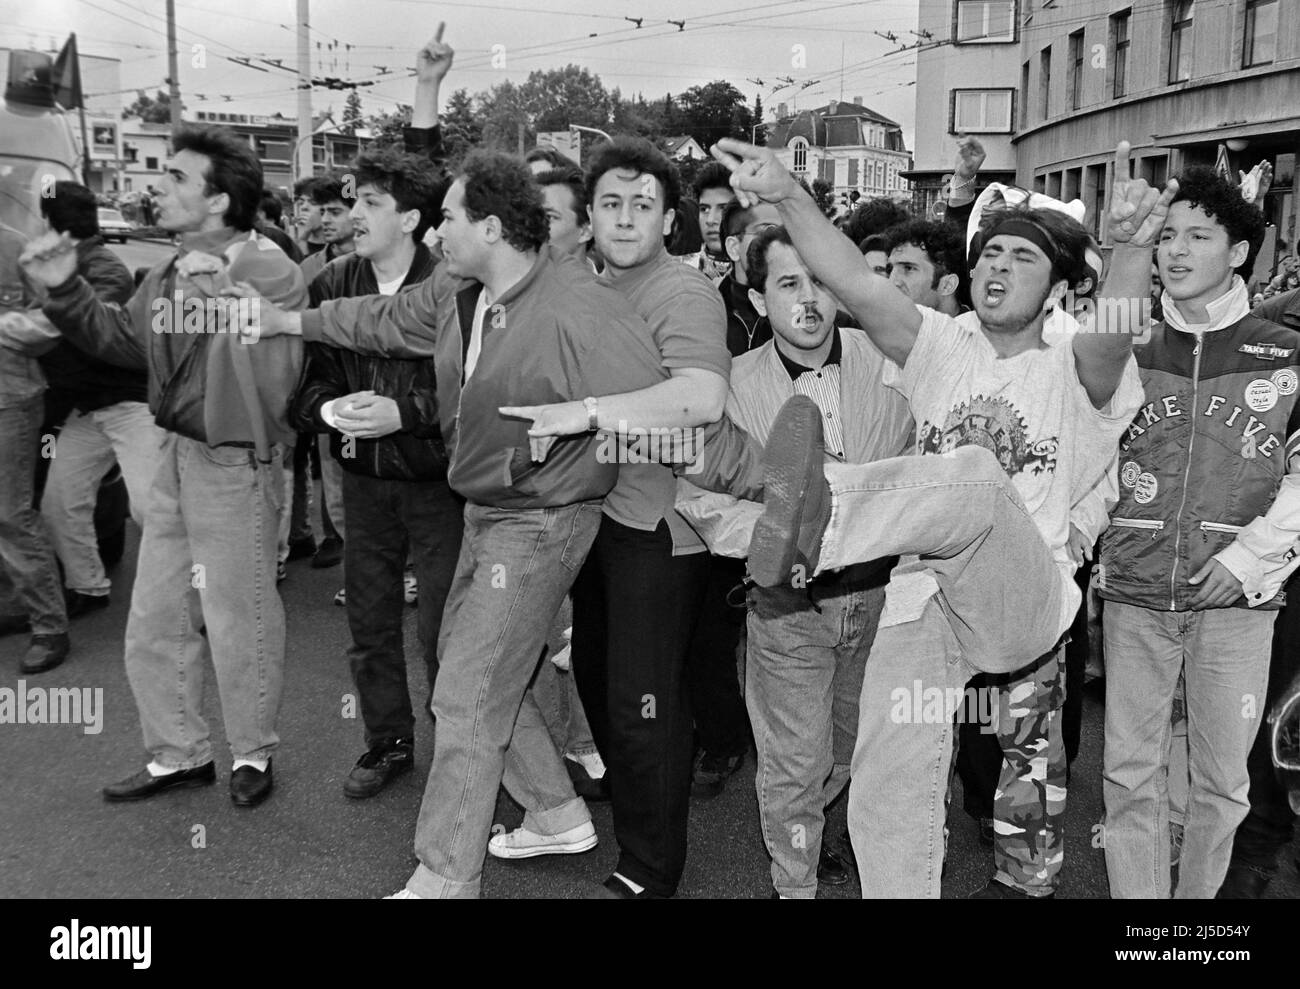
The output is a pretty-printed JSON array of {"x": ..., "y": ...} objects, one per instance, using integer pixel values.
[{"x": 1031, "y": 411}]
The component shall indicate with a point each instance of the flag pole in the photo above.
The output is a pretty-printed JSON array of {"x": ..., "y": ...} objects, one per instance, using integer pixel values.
[{"x": 81, "y": 113}]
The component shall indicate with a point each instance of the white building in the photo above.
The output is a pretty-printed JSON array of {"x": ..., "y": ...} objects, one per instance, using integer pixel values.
[{"x": 846, "y": 144}]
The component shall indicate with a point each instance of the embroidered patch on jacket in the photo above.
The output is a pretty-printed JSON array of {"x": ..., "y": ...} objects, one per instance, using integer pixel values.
[{"x": 1265, "y": 351}]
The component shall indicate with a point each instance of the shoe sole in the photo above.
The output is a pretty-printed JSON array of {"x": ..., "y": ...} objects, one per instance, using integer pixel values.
[
  {"x": 568, "y": 848},
  {"x": 357, "y": 794},
  {"x": 186, "y": 785},
  {"x": 792, "y": 462}
]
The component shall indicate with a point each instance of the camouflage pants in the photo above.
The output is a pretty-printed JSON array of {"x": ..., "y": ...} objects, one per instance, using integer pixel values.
[{"x": 1029, "y": 803}]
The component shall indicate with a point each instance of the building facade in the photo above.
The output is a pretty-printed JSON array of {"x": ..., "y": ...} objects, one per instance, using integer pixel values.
[
  {"x": 1060, "y": 83},
  {"x": 275, "y": 139},
  {"x": 847, "y": 145}
]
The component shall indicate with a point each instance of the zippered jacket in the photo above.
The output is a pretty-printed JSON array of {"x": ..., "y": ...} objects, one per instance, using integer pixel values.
[
  {"x": 1204, "y": 468},
  {"x": 415, "y": 452}
]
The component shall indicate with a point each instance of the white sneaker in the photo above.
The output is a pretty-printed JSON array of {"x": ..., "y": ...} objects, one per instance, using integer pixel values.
[
  {"x": 521, "y": 844},
  {"x": 404, "y": 894}
]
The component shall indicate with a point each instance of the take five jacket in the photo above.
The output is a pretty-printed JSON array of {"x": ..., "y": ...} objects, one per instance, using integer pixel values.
[{"x": 1204, "y": 467}]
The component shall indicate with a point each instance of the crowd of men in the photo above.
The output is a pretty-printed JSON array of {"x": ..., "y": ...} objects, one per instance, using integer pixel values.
[{"x": 876, "y": 461}]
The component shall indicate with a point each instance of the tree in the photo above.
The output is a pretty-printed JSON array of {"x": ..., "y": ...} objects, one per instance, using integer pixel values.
[
  {"x": 386, "y": 128},
  {"x": 715, "y": 110},
  {"x": 157, "y": 110},
  {"x": 461, "y": 130},
  {"x": 556, "y": 98},
  {"x": 635, "y": 117},
  {"x": 506, "y": 124},
  {"x": 352, "y": 118},
  {"x": 760, "y": 135}
]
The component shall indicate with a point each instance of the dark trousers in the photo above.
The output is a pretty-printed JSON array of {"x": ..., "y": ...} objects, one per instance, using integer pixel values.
[
  {"x": 721, "y": 721},
  {"x": 635, "y": 606},
  {"x": 390, "y": 519},
  {"x": 980, "y": 755},
  {"x": 1269, "y": 826}
]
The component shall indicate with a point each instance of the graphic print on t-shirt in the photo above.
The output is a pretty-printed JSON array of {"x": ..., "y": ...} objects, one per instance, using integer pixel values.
[{"x": 996, "y": 425}]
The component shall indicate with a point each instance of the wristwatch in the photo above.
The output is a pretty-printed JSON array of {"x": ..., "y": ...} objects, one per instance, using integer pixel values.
[{"x": 593, "y": 412}]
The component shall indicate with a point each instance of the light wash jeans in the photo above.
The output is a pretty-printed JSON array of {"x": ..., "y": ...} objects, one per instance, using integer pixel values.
[
  {"x": 26, "y": 553},
  {"x": 207, "y": 556},
  {"x": 1000, "y": 606},
  {"x": 88, "y": 446},
  {"x": 803, "y": 677},
  {"x": 515, "y": 567},
  {"x": 1224, "y": 656}
]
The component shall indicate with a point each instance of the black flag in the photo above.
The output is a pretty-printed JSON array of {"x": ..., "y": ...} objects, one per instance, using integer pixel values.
[{"x": 66, "y": 76}]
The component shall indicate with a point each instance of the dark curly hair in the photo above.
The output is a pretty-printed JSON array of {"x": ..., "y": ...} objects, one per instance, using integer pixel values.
[
  {"x": 500, "y": 185},
  {"x": 714, "y": 175},
  {"x": 233, "y": 168},
  {"x": 329, "y": 189},
  {"x": 875, "y": 216},
  {"x": 1220, "y": 199},
  {"x": 942, "y": 243},
  {"x": 409, "y": 179},
  {"x": 638, "y": 155},
  {"x": 569, "y": 176},
  {"x": 71, "y": 210},
  {"x": 756, "y": 256}
]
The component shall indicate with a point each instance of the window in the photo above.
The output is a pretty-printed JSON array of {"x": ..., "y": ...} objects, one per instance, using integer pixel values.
[
  {"x": 1119, "y": 25},
  {"x": 986, "y": 20},
  {"x": 1076, "y": 70},
  {"x": 1045, "y": 81},
  {"x": 1180, "y": 41},
  {"x": 981, "y": 111},
  {"x": 853, "y": 172},
  {"x": 1024, "y": 95},
  {"x": 151, "y": 164},
  {"x": 800, "y": 147},
  {"x": 826, "y": 170},
  {"x": 1261, "y": 32}
]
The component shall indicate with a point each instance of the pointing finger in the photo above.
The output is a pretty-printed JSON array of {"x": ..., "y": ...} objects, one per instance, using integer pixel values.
[
  {"x": 441, "y": 26},
  {"x": 1123, "y": 167}
]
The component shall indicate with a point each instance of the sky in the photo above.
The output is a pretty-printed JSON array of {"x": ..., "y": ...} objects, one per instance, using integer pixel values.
[{"x": 747, "y": 42}]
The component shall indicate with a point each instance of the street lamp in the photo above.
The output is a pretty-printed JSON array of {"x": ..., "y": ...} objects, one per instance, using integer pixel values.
[
  {"x": 293, "y": 158},
  {"x": 591, "y": 130}
]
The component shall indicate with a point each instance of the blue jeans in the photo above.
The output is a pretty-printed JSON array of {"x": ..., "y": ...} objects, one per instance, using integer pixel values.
[
  {"x": 803, "y": 675},
  {"x": 25, "y": 549},
  {"x": 515, "y": 567},
  {"x": 208, "y": 556},
  {"x": 1224, "y": 656},
  {"x": 89, "y": 444}
]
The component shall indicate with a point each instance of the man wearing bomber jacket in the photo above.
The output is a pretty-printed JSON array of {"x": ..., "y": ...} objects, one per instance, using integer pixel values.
[
  {"x": 208, "y": 549},
  {"x": 1199, "y": 546},
  {"x": 506, "y": 318},
  {"x": 381, "y": 415}
]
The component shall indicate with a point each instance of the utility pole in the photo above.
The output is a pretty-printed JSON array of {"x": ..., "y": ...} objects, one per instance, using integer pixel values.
[
  {"x": 173, "y": 71},
  {"x": 305, "y": 168}
]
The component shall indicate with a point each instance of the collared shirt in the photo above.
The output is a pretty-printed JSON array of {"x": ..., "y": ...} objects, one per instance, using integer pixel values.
[{"x": 822, "y": 385}]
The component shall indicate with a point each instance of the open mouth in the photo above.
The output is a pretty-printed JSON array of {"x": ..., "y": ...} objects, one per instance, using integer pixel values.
[
  {"x": 994, "y": 292},
  {"x": 1177, "y": 271}
]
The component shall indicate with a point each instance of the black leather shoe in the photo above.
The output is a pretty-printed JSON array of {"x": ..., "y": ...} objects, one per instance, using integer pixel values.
[
  {"x": 583, "y": 785},
  {"x": 45, "y": 653},
  {"x": 378, "y": 767},
  {"x": 249, "y": 787},
  {"x": 143, "y": 784},
  {"x": 614, "y": 888},
  {"x": 330, "y": 554},
  {"x": 83, "y": 604},
  {"x": 832, "y": 869}
]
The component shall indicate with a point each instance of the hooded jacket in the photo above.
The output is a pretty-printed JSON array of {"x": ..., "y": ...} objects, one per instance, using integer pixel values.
[{"x": 1204, "y": 465}]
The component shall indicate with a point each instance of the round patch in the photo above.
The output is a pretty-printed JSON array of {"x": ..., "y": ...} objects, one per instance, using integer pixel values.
[
  {"x": 1129, "y": 473},
  {"x": 1285, "y": 379},
  {"x": 1147, "y": 486},
  {"x": 1261, "y": 394}
]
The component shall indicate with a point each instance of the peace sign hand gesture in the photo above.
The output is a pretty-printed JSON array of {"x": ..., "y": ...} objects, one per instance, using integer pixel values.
[{"x": 1137, "y": 211}]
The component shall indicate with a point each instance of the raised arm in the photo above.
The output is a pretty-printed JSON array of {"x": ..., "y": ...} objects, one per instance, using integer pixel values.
[
  {"x": 431, "y": 66},
  {"x": 889, "y": 317},
  {"x": 1137, "y": 212}
]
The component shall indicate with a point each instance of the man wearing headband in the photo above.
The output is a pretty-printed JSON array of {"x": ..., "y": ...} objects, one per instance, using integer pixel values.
[{"x": 987, "y": 577}]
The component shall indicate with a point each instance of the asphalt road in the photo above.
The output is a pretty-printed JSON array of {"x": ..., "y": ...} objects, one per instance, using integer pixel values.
[{"x": 58, "y": 838}]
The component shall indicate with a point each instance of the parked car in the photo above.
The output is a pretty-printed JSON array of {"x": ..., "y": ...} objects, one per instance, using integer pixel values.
[{"x": 112, "y": 225}]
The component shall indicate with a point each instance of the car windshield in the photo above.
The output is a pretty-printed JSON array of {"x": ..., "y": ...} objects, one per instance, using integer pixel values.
[
  {"x": 110, "y": 214},
  {"x": 22, "y": 181}
]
